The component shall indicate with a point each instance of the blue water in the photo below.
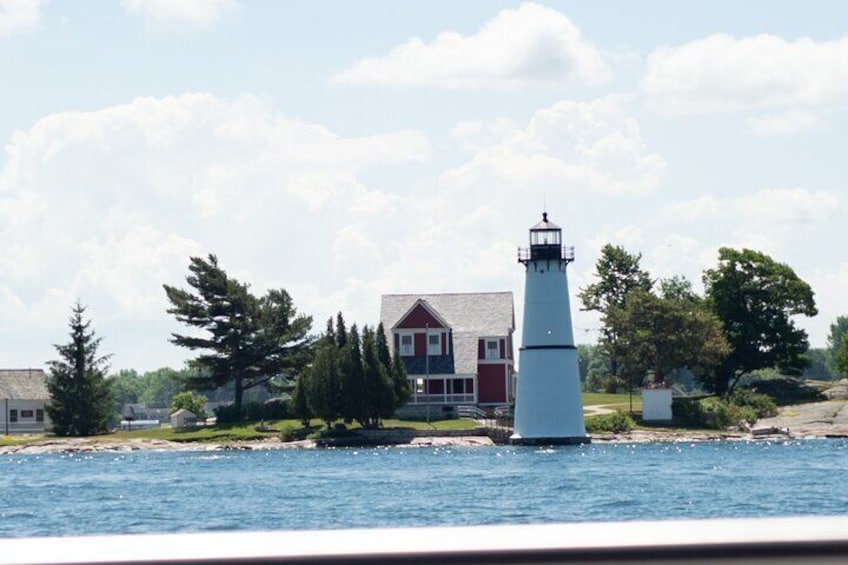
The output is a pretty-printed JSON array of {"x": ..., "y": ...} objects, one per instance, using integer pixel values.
[{"x": 145, "y": 492}]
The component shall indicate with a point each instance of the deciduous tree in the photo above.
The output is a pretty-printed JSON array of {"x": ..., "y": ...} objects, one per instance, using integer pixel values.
[
  {"x": 81, "y": 400},
  {"x": 756, "y": 297}
]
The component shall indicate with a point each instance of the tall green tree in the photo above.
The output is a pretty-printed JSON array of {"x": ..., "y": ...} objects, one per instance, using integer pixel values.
[
  {"x": 353, "y": 378},
  {"x": 834, "y": 339},
  {"x": 619, "y": 273},
  {"x": 81, "y": 400},
  {"x": 659, "y": 335},
  {"x": 324, "y": 384},
  {"x": 300, "y": 401},
  {"x": 841, "y": 357},
  {"x": 756, "y": 297},
  {"x": 244, "y": 340}
]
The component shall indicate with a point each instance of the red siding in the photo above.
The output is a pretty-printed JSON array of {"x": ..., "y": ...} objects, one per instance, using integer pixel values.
[
  {"x": 420, "y": 344},
  {"x": 469, "y": 386},
  {"x": 437, "y": 387},
  {"x": 419, "y": 318},
  {"x": 502, "y": 349},
  {"x": 492, "y": 383},
  {"x": 481, "y": 349},
  {"x": 397, "y": 342}
]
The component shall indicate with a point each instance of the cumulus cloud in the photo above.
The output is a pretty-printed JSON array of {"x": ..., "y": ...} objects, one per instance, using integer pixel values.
[
  {"x": 181, "y": 13},
  {"x": 529, "y": 45},
  {"x": 19, "y": 16},
  {"x": 107, "y": 205},
  {"x": 720, "y": 73},
  {"x": 772, "y": 206},
  {"x": 594, "y": 146}
]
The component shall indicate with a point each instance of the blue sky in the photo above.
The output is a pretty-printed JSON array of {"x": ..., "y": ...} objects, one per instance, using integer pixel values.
[{"x": 343, "y": 150}]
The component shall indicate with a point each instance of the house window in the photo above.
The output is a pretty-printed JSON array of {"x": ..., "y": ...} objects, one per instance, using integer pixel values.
[
  {"x": 406, "y": 348},
  {"x": 28, "y": 414},
  {"x": 493, "y": 349},
  {"x": 13, "y": 415},
  {"x": 419, "y": 386},
  {"x": 39, "y": 415},
  {"x": 434, "y": 344}
]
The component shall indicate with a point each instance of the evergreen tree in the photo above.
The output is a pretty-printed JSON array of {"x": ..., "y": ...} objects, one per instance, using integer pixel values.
[
  {"x": 80, "y": 396},
  {"x": 353, "y": 380},
  {"x": 300, "y": 401},
  {"x": 374, "y": 377},
  {"x": 324, "y": 384},
  {"x": 248, "y": 341},
  {"x": 341, "y": 332},
  {"x": 395, "y": 371}
]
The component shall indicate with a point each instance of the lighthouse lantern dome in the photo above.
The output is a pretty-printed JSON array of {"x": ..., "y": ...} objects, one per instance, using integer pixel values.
[{"x": 545, "y": 233}]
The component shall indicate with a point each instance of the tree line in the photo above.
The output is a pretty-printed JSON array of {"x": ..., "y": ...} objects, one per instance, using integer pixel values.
[{"x": 744, "y": 320}]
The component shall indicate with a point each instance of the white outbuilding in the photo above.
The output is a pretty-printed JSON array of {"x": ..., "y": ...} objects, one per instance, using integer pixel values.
[{"x": 183, "y": 418}]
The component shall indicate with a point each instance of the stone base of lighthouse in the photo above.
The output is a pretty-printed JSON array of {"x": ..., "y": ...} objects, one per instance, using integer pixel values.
[{"x": 549, "y": 408}]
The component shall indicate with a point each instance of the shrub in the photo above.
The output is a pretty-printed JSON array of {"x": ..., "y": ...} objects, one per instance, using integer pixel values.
[
  {"x": 616, "y": 423},
  {"x": 763, "y": 405},
  {"x": 712, "y": 412}
]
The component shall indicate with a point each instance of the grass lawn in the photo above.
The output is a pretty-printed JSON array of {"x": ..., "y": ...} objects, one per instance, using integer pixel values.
[{"x": 612, "y": 400}]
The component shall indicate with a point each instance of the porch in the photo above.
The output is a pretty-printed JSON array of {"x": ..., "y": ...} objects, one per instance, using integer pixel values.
[{"x": 443, "y": 389}]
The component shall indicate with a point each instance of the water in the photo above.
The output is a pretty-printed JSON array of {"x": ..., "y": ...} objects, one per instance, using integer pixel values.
[{"x": 146, "y": 492}]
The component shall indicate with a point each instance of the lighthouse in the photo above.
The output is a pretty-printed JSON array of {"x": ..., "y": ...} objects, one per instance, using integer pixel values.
[{"x": 548, "y": 406}]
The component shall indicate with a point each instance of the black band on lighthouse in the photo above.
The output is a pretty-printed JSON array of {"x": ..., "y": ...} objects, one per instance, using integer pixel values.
[{"x": 547, "y": 347}]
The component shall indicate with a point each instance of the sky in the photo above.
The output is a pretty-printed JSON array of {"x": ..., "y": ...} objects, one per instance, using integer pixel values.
[{"x": 345, "y": 150}]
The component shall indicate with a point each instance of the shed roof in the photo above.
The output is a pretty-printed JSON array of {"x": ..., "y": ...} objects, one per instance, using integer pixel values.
[{"x": 23, "y": 384}]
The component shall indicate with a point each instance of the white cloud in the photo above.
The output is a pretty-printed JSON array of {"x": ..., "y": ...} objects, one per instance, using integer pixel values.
[
  {"x": 19, "y": 16},
  {"x": 721, "y": 73},
  {"x": 181, "y": 13},
  {"x": 529, "y": 45},
  {"x": 782, "y": 124},
  {"x": 108, "y": 205},
  {"x": 770, "y": 206},
  {"x": 593, "y": 146}
]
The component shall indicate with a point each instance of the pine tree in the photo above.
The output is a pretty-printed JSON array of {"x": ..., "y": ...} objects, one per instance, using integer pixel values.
[
  {"x": 353, "y": 380},
  {"x": 301, "y": 403},
  {"x": 324, "y": 392},
  {"x": 341, "y": 332},
  {"x": 247, "y": 341},
  {"x": 80, "y": 396}
]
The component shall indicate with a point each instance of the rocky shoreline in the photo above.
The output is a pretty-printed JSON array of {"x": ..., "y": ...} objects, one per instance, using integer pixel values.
[{"x": 815, "y": 420}]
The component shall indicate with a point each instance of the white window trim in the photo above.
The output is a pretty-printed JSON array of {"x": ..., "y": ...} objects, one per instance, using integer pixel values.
[
  {"x": 401, "y": 350},
  {"x": 497, "y": 348},
  {"x": 434, "y": 348}
]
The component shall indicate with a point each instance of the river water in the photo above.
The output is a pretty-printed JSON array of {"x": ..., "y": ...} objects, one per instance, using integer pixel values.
[{"x": 147, "y": 492}]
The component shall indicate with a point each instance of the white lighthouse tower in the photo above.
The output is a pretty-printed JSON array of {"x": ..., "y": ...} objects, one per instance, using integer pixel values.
[{"x": 548, "y": 406}]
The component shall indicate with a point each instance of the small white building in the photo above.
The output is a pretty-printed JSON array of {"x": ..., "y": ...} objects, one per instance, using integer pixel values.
[
  {"x": 183, "y": 418},
  {"x": 656, "y": 405},
  {"x": 23, "y": 396}
]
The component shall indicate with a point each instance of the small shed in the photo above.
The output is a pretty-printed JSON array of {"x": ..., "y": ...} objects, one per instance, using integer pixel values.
[
  {"x": 656, "y": 405},
  {"x": 183, "y": 418}
]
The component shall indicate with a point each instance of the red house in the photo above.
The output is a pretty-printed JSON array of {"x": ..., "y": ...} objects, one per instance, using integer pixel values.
[{"x": 457, "y": 348}]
